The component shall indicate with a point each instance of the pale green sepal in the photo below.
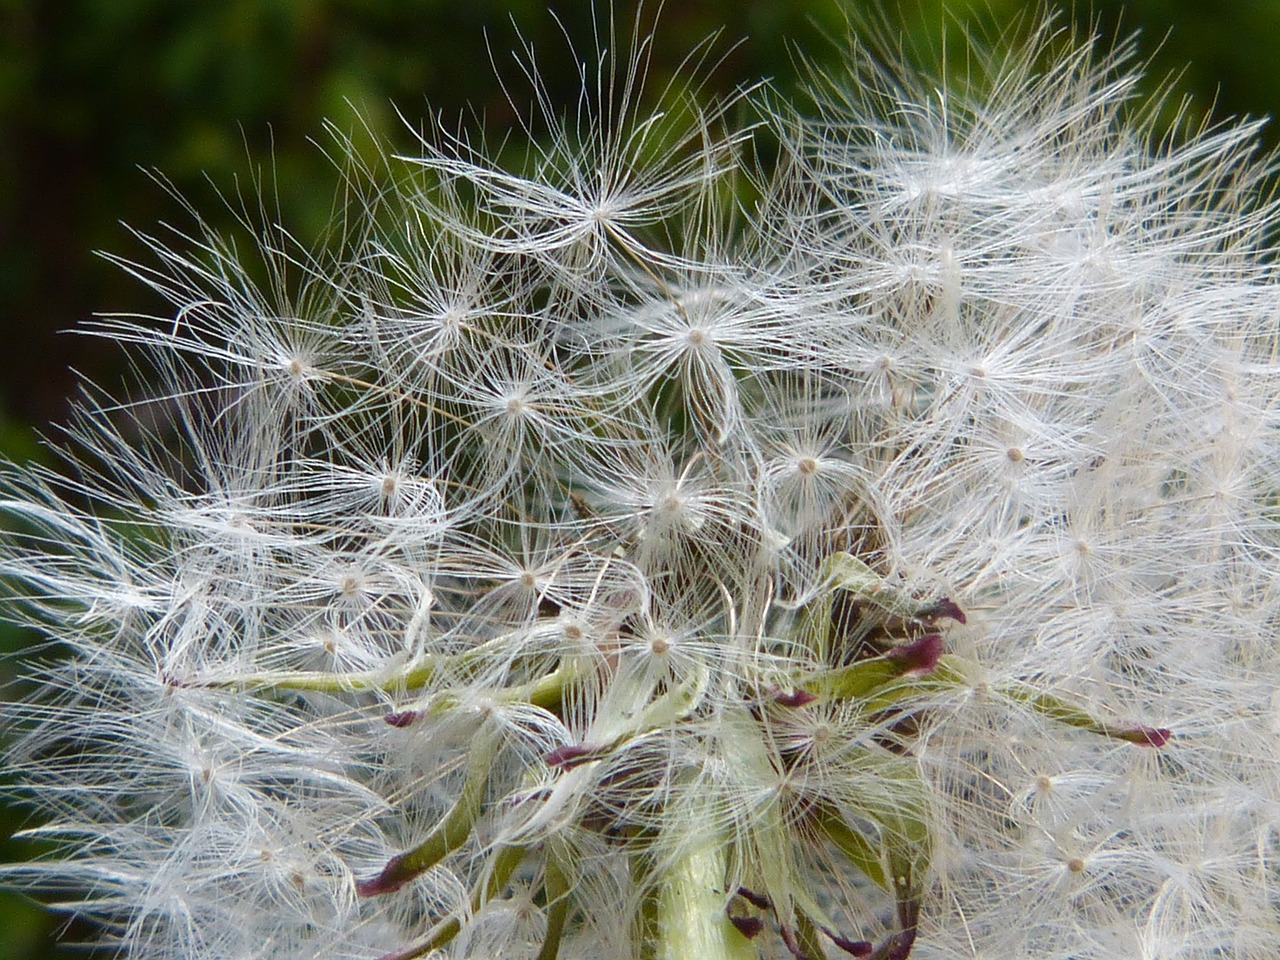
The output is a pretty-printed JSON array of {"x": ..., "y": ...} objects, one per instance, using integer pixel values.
[
  {"x": 844, "y": 571},
  {"x": 857, "y": 849}
]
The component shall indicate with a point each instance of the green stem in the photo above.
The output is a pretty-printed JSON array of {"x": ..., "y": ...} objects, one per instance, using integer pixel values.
[
  {"x": 904, "y": 664},
  {"x": 691, "y": 919},
  {"x": 412, "y": 677},
  {"x": 555, "y": 885},
  {"x": 449, "y": 834},
  {"x": 546, "y": 692},
  {"x": 1074, "y": 715},
  {"x": 501, "y": 867}
]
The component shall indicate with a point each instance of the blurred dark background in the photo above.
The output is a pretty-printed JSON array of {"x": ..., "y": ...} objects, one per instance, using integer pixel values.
[{"x": 225, "y": 91}]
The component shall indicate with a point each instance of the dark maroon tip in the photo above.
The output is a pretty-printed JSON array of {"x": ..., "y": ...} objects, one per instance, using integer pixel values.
[
  {"x": 370, "y": 888},
  {"x": 909, "y": 916},
  {"x": 1148, "y": 736},
  {"x": 402, "y": 718},
  {"x": 855, "y": 948},
  {"x": 390, "y": 879},
  {"x": 946, "y": 607},
  {"x": 917, "y": 656},
  {"x": 757, "y": 900},
  {"x": 899, "y": 945},
  {"x": 793, "y": 945},
  {"x": 749, "y": 927},
  {"x": 793, "y": 698},
  {"x": 569, "y": 756},
  {"x": 408, "y": 953}
]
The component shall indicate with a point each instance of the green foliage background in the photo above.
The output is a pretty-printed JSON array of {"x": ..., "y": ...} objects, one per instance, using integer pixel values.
[{"x": 228, "y": 91}]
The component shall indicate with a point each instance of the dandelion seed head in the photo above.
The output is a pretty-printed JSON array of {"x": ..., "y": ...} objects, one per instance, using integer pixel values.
[{"x": 866, "y": 543}]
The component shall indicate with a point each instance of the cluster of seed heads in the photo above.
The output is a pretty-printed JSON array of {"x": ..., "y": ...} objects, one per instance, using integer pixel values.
[{"x": 645, "y": 548}]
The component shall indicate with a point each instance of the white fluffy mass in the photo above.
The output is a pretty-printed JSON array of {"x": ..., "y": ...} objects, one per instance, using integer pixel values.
[{"x": 847, "y": 528}]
